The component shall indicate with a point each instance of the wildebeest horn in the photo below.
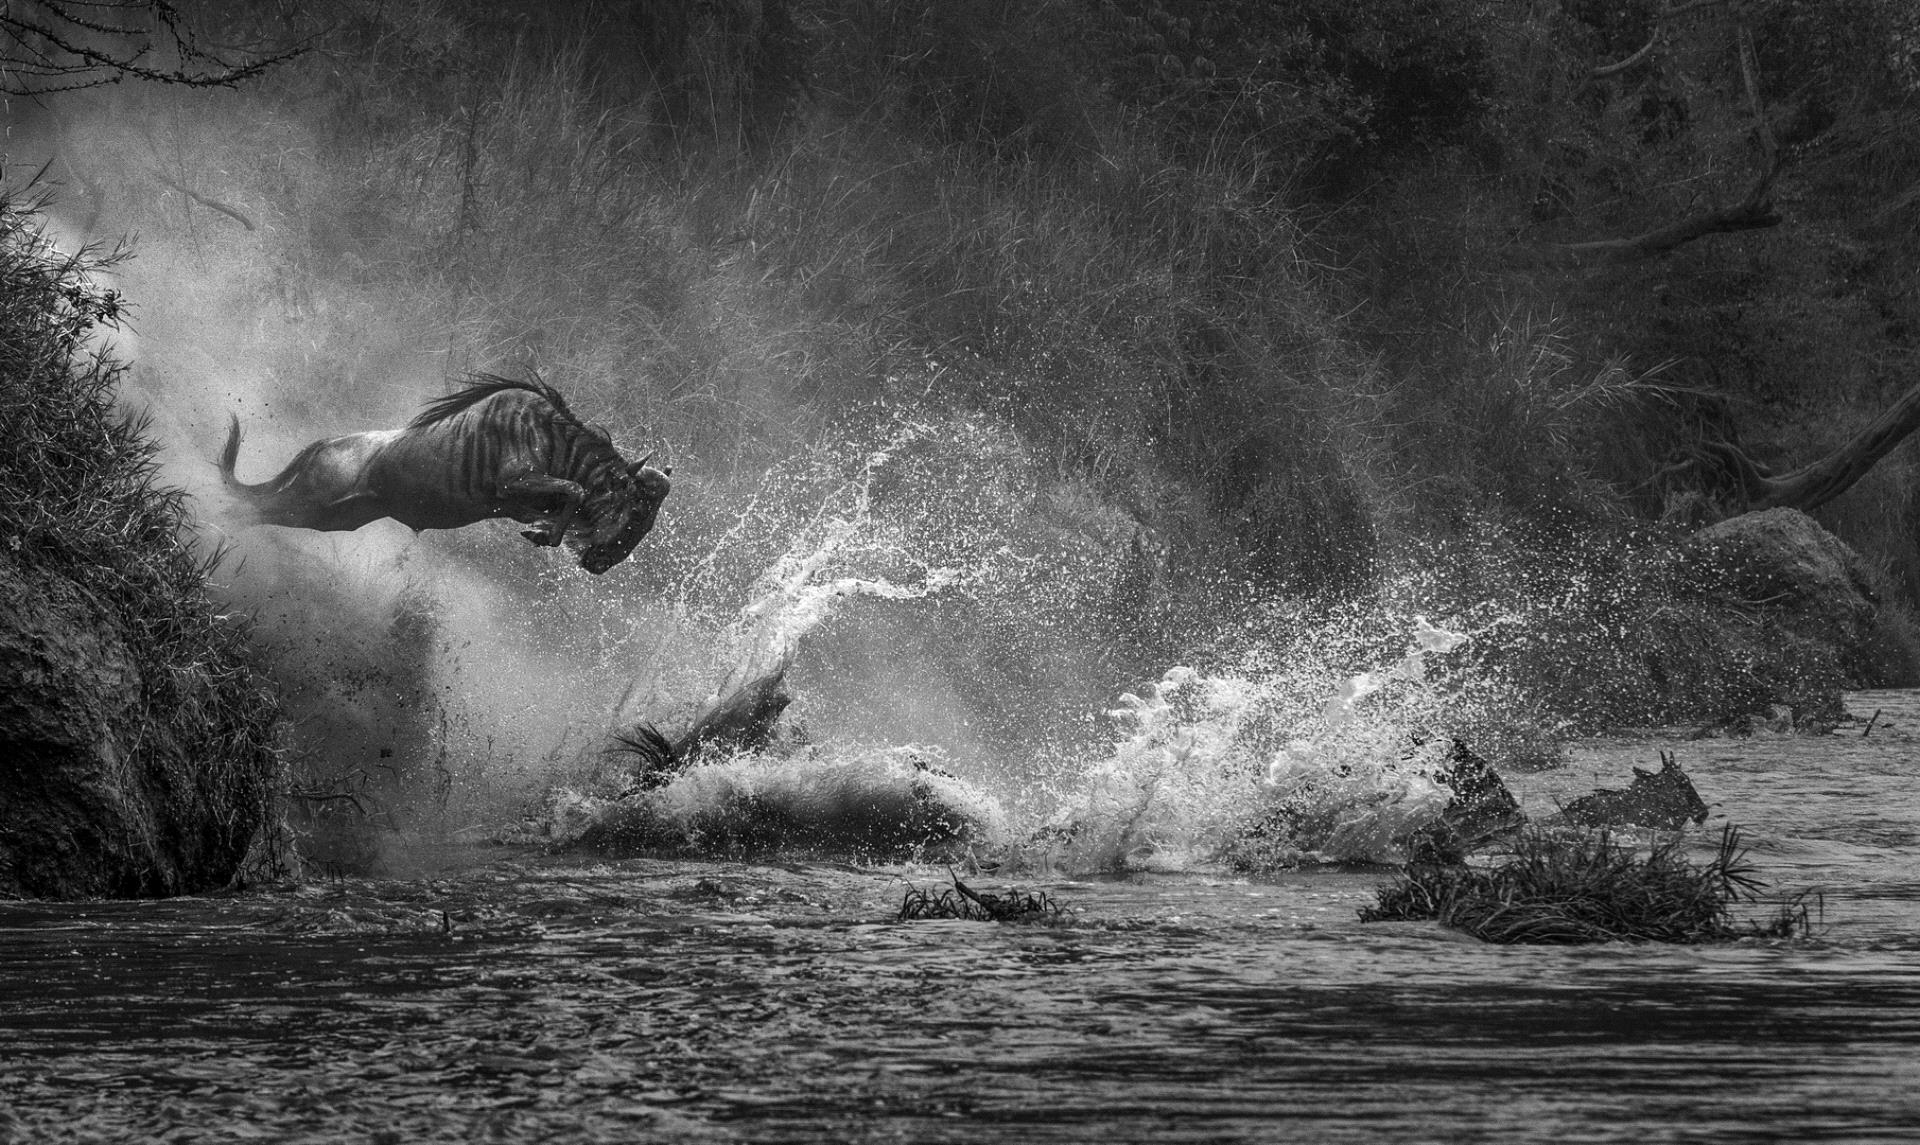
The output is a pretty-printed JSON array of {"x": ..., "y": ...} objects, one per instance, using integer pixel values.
[{"x": 637, "y": 466}]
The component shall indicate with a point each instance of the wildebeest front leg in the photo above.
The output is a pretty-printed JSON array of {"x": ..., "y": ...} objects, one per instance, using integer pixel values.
[{"x": 547, "y": 503}]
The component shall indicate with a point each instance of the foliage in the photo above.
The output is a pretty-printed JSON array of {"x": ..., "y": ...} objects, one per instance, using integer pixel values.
[
  {"x": 1571, "y": 889},
  {"x": 1321, "y": 92},
  {"x": 80, "y": 498}
]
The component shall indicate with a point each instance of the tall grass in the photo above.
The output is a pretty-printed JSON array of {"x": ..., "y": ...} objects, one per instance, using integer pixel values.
[{"x": 81, "y": 501}]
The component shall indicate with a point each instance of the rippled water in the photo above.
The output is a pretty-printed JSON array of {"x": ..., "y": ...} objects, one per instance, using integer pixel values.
[{"x": 515, "y": 998}]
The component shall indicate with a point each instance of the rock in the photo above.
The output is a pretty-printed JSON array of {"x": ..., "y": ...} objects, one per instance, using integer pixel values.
[
  {"x": 98, "y": 793},
  {"x": 1781, "y": 559},
  {"x": 1799, "y": 604}
]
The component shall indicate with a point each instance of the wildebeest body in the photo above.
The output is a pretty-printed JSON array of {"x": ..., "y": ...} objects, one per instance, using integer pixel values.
[
  {"x": 499, "y": 448},
  {"x": 1665, "y": 799}
]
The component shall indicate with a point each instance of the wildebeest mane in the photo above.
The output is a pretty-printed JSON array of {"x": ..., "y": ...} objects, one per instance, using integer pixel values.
[{"x": 480, "y": 387}]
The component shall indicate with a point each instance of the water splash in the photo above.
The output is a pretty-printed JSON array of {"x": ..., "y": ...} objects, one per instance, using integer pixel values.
[
  {"x": 1261, "y": 772},
  {"x": 849, "y": 800},
  {"x": 833, "y": 558}
]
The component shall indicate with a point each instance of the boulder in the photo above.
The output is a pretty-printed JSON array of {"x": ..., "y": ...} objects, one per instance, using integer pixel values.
[
  {"x": 1781, "y": 559},
  {"x": 1796, "y": 601},
  {"x": 101, "y": 791}
]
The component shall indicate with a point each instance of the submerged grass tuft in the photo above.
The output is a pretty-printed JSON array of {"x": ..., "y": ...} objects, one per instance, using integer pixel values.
[
  {"x": 963, "y": 902},
  {"x": 1561, "y": 889}
]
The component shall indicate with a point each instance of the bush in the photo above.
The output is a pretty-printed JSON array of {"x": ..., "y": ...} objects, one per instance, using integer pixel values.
[
  {"x": 80, "y": 502},
  {"x": 1571, "y": 889}
]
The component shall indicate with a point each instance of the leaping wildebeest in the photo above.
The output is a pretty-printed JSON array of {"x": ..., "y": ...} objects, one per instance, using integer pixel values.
[{"x": 497, "y": 448}]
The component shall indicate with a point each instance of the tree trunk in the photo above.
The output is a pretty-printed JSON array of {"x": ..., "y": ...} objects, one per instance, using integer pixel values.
[{"x": 1814, "y": 485}]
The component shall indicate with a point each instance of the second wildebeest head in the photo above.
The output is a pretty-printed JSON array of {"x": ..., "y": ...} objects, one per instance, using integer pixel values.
[{"x": 1665, "y": 799}]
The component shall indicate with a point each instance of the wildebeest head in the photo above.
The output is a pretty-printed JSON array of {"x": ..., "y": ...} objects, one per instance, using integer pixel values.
[
  {"x": 615, "y": 520},
  {"x": 1668, "y": 789},
  {"x": 1665, "y": 799}
]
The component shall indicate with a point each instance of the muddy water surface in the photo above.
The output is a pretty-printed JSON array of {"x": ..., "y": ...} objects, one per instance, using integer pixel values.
[{"x": 514, "y": 997}]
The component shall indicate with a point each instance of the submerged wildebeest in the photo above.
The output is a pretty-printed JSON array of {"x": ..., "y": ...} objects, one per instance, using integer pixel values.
[
  {"x": 1665, "y": 799},
  {"x": 498, "y": 448}
]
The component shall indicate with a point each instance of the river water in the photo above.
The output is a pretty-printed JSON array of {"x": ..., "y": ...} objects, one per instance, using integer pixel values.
[{"x": 505, "y": 996}]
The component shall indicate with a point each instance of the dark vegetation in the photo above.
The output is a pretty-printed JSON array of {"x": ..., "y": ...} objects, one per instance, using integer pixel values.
[
  {"x": 154, "y": 768},
  {"x": 961, "y": 901},
  {"x": 1559, "y": 888}
]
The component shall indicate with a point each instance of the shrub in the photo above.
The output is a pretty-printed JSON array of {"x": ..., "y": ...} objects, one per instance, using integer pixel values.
[
  {"x": 79, "y": 500},
  {"x": 1571, "y": 889}
]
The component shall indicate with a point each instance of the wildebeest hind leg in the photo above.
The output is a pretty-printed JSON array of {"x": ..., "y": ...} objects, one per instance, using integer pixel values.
[{"x": 341, "y": 515}]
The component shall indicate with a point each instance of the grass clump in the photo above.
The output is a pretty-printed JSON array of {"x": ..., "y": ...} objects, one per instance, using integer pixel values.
[
  {"x": 1558, "y": 889},
  {"x": 963, "y": 902},
  {"x": 81, "y": 505}
]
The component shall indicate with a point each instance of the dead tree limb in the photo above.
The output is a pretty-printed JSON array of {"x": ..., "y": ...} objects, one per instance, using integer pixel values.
[
  {"x": 1755, "y": 213},
  {"x": 1604, "y": 70},
  {"x": 1753, "y": 486},
  {"x": 210, "y": 204},
  {"x": 1762, "y": 128}
]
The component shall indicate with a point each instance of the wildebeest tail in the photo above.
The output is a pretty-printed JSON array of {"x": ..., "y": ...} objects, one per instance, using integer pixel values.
[
  {"x": 259, "y": 498},
  {"x": 230, "y": 454}
]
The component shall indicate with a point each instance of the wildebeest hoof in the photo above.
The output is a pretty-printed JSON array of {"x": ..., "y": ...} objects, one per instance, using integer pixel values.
[{"x": 540, "y": 537}]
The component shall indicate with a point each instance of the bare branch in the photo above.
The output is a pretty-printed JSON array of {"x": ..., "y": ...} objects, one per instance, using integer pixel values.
[
  {"x": 1755, "y": 213},
  {"x": 1727, "y": 467},
  {"x": 1605, "y": 70},
  {"x": 1683, "y": 9},
  {"x": 210, "y": 204},
  {"x": 1749, "y": 79},
  {"x": 51, "y": 46}
]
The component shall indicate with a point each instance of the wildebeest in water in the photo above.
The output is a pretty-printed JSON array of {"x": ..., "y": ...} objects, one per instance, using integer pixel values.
[
  {"x": 1664, "y": 799},
  {"x": 497, "y": 448}
]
